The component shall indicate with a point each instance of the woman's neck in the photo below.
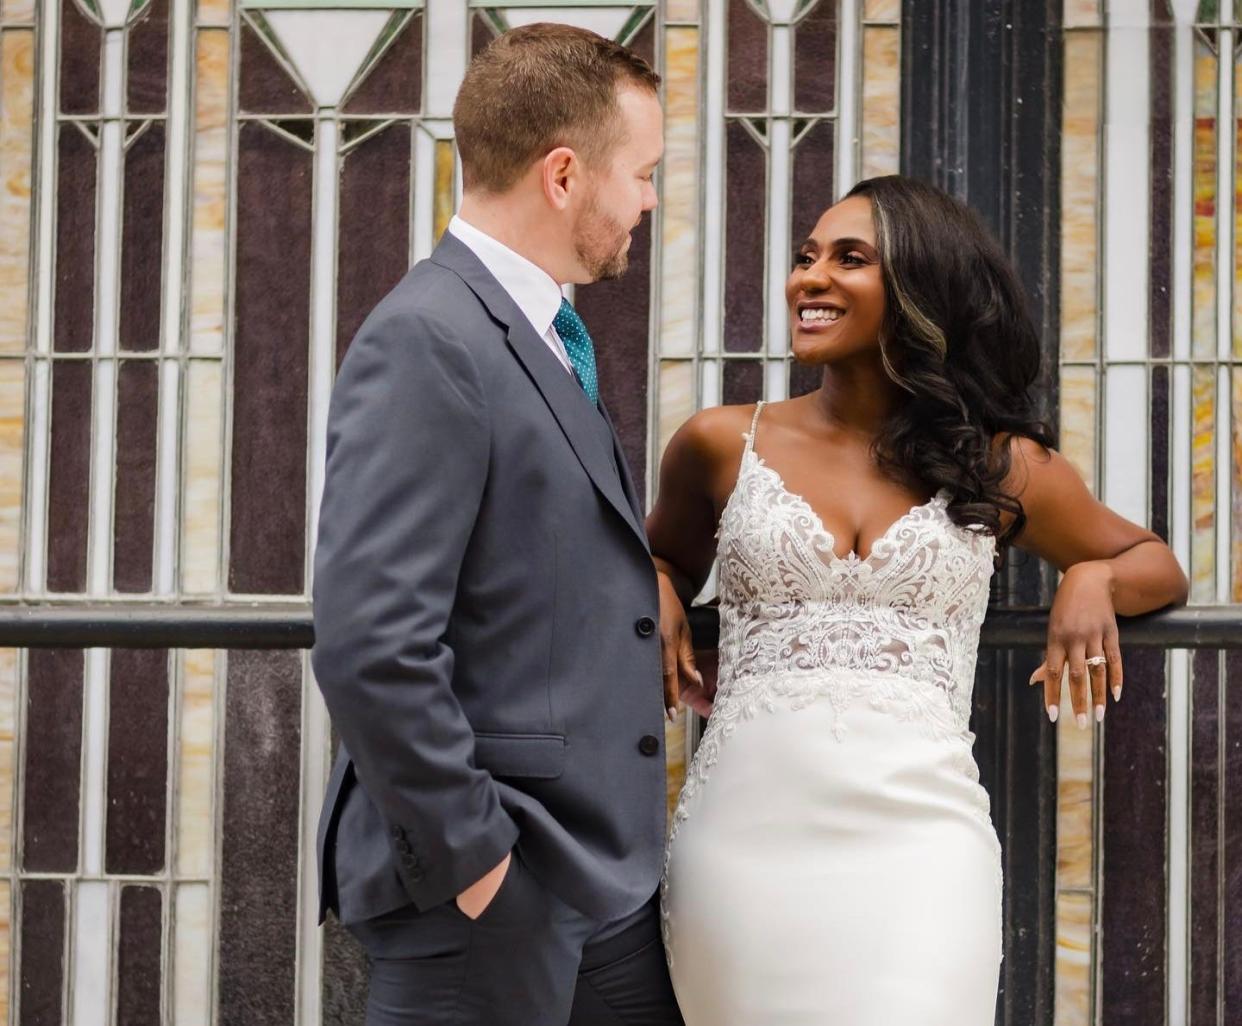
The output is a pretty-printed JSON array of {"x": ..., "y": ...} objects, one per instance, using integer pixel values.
[{"x": 858, "y": 397}]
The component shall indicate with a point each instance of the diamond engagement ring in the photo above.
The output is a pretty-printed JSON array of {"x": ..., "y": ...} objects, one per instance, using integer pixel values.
[{"x": 1097, "y": 661}]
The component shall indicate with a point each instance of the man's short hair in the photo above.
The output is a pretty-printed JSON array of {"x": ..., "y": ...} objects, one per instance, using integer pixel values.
[{"x": 536, "y": 88}]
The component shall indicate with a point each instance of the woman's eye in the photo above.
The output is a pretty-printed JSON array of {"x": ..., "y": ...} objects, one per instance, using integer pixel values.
[
  {"x": 803, "y": 260},
  {"x": 853, "y": 259}
]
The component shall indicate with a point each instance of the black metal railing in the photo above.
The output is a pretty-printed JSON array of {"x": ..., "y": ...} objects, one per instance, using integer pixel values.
[{"x": 289, "y": 625}]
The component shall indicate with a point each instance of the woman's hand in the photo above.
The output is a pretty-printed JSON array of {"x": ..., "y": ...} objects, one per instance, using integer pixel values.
[
  {"x": 1112, "y": 568},
  {"x": 682, "y": 680},
  {"x": 1082, "y": 635}
]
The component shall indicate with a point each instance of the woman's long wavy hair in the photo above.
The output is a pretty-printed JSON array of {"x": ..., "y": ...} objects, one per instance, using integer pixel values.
[{"x": 958, "y": 337}]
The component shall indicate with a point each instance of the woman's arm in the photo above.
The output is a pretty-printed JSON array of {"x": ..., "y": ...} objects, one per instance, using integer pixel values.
[
  {"x": 1110, "y": 566},
  {"x": 681, "y": 528}
]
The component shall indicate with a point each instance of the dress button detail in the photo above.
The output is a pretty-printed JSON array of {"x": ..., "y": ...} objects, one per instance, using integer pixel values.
[
  {"x": 645, "y": 626},
  {"x": 649, "y": 745}
]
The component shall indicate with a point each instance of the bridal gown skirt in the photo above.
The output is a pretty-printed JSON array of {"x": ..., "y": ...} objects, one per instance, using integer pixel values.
[{"x": 831, "y": 870}]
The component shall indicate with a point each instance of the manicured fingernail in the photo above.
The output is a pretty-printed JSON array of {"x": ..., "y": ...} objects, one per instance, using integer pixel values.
[
  {"x": 1033, "y": 678},
  {"x": 1099, "y": 713},
  {"x": 672, "y": 714},
  {"x": 1117, "y": 693},
  {"x": 699, "y": 677},
  {"x": 1082, "y": 721},
  {"x": 1052, "y": 713}
]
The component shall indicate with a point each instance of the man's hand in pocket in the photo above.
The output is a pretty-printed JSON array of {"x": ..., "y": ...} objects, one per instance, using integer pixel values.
[{"x": 473, "y": 901}]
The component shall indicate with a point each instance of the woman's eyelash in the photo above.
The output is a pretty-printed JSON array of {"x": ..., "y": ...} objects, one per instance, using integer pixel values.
[{"x": 853, "y": 257}]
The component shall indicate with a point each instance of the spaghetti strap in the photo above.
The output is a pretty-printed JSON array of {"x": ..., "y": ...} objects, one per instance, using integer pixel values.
[{"x": 750, "y": 437}]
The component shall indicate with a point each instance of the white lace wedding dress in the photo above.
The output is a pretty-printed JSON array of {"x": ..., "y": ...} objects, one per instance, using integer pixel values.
[{"x": 832, "y": 861}]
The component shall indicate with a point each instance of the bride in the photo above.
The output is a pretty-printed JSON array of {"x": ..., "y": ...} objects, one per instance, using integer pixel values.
[{"x": 832, "y": 859}]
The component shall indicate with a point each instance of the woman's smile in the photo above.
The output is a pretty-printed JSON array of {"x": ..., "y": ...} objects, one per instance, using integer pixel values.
[{"x": 818, "y": 317}]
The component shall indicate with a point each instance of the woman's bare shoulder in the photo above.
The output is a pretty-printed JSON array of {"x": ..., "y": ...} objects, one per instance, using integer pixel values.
[{"x": 714, "y": 434}]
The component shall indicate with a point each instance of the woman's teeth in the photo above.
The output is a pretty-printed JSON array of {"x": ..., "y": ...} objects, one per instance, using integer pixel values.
[{"x": 820, "y": 315}]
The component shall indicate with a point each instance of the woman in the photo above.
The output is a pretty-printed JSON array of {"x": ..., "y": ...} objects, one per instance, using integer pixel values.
[{"x": 832, "y": 859}]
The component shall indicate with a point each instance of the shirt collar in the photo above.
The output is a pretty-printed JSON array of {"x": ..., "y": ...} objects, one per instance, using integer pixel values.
[{"x": 528, "y": 285}]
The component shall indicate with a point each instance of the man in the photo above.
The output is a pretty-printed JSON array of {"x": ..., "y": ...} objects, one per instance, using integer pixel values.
[{"x": 485, "y": 602}]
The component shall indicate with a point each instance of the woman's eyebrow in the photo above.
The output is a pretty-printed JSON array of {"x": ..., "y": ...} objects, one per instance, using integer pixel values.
[{"x": 848, "y": 240}]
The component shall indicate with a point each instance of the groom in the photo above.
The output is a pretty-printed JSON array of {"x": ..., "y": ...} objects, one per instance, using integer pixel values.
[{"x": 485, "y": 602}]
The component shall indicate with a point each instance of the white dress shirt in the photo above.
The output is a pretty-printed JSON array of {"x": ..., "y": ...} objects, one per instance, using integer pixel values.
[{"x": 529, "y": 286}]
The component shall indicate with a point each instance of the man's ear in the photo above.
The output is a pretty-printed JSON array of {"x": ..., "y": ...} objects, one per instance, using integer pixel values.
[{"x": 560, "y": 170}]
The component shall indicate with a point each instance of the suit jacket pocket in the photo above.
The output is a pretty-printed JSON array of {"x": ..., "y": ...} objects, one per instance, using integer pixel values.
[{"x": 537, "y": 756}]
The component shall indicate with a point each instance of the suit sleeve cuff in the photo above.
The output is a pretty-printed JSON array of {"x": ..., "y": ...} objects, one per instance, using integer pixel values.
[{"x": 430, "y": 882}]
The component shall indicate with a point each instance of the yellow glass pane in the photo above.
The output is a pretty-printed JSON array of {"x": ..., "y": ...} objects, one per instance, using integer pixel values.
[
  {"x": 17, "y": 12},
  {"x": 681, "y": 10},
  {"x": 881, "y": 100},
  {"x": 208, "y": 246},
  {"x": 196, "y": 839},
  {"x": 1080, "y": 197},
  {"x": 12, "y": 459},
  {"x": 675, "y": 758},
  {"x": 677, "y": 398},
  {"x": 214, "y": 12},
  {"x": 1203, "y": 258},
  {"x": 1083, "y": 14},
  {"x": 17, "y": 58},
  {"x": 445, "y": 202},
  {"x": 1203, "y": 487},
  {"x": 204, "y": 443},
  {"x": 6, "y": 947},
  {"x": 1072, "y": 1002},
  {"x": 1075, "y": 798},
  {"x": 1078, "y": 421},
  {"x": 679, "y": 181},
  {"x": 882, "y": 11}
]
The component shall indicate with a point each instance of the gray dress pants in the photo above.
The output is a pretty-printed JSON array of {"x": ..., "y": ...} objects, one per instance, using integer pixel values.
[{"x": 528, "y": 960}]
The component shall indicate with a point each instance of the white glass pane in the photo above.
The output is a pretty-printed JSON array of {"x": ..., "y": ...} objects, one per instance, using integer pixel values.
[{"x": 327, "y": 47}]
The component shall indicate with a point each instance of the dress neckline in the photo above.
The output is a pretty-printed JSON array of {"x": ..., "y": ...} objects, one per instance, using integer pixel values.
[{"x": 852, "y": 558}]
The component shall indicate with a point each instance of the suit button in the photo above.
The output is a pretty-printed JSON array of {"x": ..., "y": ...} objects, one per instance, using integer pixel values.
[
  {"x": 403, "y": 846},
  {"x": 649, "y": 745},
  {"x": 397, "y": 833},
  {"x": 645, "y": 627}
]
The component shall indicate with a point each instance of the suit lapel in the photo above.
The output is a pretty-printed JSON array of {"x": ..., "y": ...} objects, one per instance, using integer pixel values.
[
  {"x": 572, "y": 410},
  {"x": 565, "y": 398},
  {"x": 623, "y": 466}
]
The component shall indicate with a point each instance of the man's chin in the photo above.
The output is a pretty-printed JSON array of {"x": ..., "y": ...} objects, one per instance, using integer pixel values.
[{"x": 613, "y": 271}]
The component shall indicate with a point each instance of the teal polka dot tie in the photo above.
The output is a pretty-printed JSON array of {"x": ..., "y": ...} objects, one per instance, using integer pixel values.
[{"x": 580, "y": 348}]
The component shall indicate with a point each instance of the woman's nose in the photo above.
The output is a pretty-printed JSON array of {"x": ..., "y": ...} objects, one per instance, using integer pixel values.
[{"x": 817, "y": 277}]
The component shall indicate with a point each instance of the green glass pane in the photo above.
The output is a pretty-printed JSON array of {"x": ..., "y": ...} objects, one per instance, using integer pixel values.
[
  {"x": 561, "y": 3},
  {"x": 334, "y": 5}
]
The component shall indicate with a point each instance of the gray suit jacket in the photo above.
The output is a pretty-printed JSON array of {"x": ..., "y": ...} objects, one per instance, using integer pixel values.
[{"x": 485, "y": 613}]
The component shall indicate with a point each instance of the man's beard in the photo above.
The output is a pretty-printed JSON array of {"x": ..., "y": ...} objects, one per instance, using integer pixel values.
[{"x": 600, "y": 243}]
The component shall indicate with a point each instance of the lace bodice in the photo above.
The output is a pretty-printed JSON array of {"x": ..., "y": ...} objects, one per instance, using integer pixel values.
[{"x": 799, "y": 622}]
